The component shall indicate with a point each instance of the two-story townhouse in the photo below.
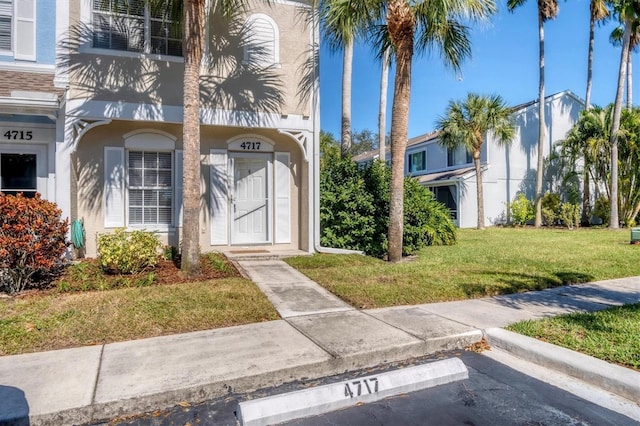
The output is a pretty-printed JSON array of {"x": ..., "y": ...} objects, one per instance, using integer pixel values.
[
  {"x": 507, "y": 171},
  {"x": 29, "y": 97},
  {"x": 121, "y": 164}
]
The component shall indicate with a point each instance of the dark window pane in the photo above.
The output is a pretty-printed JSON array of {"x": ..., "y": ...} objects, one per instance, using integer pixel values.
[{"x": 18, "y": 172}]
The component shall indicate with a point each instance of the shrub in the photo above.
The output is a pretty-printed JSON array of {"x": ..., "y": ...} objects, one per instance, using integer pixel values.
[
  {"x": 426, "y": 221},
  {"x": 32, "y": 242},
  {"x": 128, "y": 252},
  {"x": 602, "y": 209},
  {"x": 354, "y": 210},
  {"x": 521, "y": 210},
  {"x": 550, "y": 207},
  {"x": 570, "y": 215}
]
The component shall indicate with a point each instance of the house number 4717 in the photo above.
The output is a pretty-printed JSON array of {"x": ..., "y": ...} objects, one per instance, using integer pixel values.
[
  {"x": 15, "y": 135},
  {"x": 361, "y": 387}
]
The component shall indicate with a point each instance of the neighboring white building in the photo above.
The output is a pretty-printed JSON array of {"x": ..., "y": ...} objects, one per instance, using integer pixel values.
[{"x": 507, "y": 171}]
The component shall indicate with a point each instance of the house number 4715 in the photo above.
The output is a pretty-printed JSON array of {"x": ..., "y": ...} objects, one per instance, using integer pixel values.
[{"x": 22, "y": 135}]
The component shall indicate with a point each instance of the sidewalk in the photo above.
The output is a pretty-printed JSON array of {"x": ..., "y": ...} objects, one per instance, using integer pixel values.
[{"x": 318, "y": 336}]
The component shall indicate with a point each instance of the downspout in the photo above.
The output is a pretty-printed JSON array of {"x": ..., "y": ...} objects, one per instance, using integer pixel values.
[{"x": 316, "y": 149}]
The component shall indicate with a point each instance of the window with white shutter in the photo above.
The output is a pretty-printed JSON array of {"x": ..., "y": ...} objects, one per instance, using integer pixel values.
[
  {"x": 150, "y": 188},
  {"x": 136, "y": 26},
  {"x": 262, "y": 41},
  {"x": 6, "y": 26}
]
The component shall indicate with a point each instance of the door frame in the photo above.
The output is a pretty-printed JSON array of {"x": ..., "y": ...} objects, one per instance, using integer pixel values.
[{"x": 269, "y": 192}]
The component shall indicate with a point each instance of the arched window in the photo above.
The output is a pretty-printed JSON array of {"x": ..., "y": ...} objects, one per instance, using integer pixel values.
[{"x": 263, "y": 40}]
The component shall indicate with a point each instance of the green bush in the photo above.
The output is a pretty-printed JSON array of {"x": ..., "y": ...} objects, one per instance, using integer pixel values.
[
  {"x": 32, "y": 242},
  {"x": 521, "y": 210},
  {"x": 602, "y": 209},
  {"x": 125, "y": 252},
  {"x": 426, "y": 221},
  {"x": 550, "y": 207},
  {"x": 354, "y": 210},
  {"x": 570, "y": 215}
]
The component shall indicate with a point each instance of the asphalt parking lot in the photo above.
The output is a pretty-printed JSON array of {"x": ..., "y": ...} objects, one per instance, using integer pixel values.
[{"x": 494, "y": 394}]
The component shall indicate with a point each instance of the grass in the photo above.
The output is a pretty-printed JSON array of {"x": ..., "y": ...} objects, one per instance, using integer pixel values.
[
  {"x": 483, "y": 263},
  {"x": 612, "y": 335},
  {"x": 63, "y": 318}
]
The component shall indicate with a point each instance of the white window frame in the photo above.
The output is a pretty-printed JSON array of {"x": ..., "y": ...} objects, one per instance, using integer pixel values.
[
  {"x": 410, "y": 163},
  {"x": 460, "y": 150},
  {"x": 11, "y": 15},
  {"x": 15, "y": 19},
  {"x": 88, "y": 14},
  {"x": 248, "y": 26},
  {"x": 129, "y": 188},
  {"x": 40, "y": 152}
]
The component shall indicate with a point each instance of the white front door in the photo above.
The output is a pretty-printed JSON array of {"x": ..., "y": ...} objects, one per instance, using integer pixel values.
[{"x": 250, "y": 203}]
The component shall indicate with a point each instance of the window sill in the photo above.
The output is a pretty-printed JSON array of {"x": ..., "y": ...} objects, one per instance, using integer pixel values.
[
  {"x": 129, "y": 54},
  {"x": 169, "y": 230}
]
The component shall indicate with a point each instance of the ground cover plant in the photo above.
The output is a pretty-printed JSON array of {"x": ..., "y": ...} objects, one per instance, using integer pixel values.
[
  {"x": 88, "y": 307},
  {"x": 483, "y": 263},
  {"x": 612, "y": 335}
]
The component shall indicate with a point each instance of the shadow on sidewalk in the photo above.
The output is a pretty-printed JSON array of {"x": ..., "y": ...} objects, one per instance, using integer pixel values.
[{"x": 14, "y": 409}]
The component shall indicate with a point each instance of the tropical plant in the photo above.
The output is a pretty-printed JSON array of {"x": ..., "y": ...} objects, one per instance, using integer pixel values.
[
  {"x": 354, "y": 209},
  {"x": 628, "y": 12},
  {"x": 467, "y": 123},
  {"x": 547, "y": 10},
  {"x": 423, "y": 25},
  {"x": 520, "y": 210},
  {"x": 616, "y": 38},
  {"x": 32, "y": 242},
  {"x": 586, "y": 147},
  {"x": 588, "y": 142}
]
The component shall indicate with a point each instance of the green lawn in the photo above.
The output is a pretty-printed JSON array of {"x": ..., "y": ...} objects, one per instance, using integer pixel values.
[
  {"x": 483, "y": 263},
  {"x": 60, "y": 320},
  {"x": 612, "y": 335}
]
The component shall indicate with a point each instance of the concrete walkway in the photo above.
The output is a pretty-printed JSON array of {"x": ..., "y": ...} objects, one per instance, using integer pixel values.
[{"x": 318, "y": 336}]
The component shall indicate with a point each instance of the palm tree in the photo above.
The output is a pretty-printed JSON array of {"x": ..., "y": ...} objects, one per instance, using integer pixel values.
[
  {"x": 437, "y": 24},
  {"x": 616, "y": 39},
  {"x": 587, "y": 144},
  {"x": 342, "y": 22},
  {"x": 194, "y": 19},
  {"x": 628, "y": 13},
  {"x": 547, "y": 9},
  {"x": 467, "y": 122},
  {"x": 598, "y": 12},
  {"x": 382, "y": 111}
]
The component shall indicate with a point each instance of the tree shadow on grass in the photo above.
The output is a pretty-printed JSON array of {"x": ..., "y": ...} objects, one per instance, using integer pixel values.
[{"x": 509, "y": 283}]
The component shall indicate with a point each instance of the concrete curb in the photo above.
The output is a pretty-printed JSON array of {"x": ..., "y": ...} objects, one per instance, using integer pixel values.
[
  {"x": 613, "y": 378},
  {"x": 101, "y": 410},
  {"x": 336, "y": 396}
]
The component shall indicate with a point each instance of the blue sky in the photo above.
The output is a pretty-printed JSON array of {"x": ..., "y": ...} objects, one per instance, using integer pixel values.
[{"x": 504, "y": 61}]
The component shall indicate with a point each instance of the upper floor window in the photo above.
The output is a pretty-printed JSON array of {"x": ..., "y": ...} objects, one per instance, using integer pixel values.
[
  {"x": 133, "y": 26},
  {"x": 18, "y": 29},
  {"x": 262, "y": 41},
  {"x": 458, "y": 156},
  {"x": 417, "y": 162}
]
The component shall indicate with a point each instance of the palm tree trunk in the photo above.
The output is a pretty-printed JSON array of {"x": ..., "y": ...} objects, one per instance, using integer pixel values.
[
  {"x": 479, "y": 188},
  {"x": 592, "y": 26},
  {"x": 382, "y": 112},
  {"x": 541, "y": 129},
  {"x": 629, "y": 82},
  {"x": 194, "y": 17},
  {"x": 347, "y": 64},
  {"x": 401, "y": 24},
  {"x": 586, "y": 199},
  {"x": 614, "y": 222}
]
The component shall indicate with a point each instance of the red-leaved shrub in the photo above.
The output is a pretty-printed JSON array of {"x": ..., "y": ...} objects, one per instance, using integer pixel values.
[{"x": 32, "y": 242}]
